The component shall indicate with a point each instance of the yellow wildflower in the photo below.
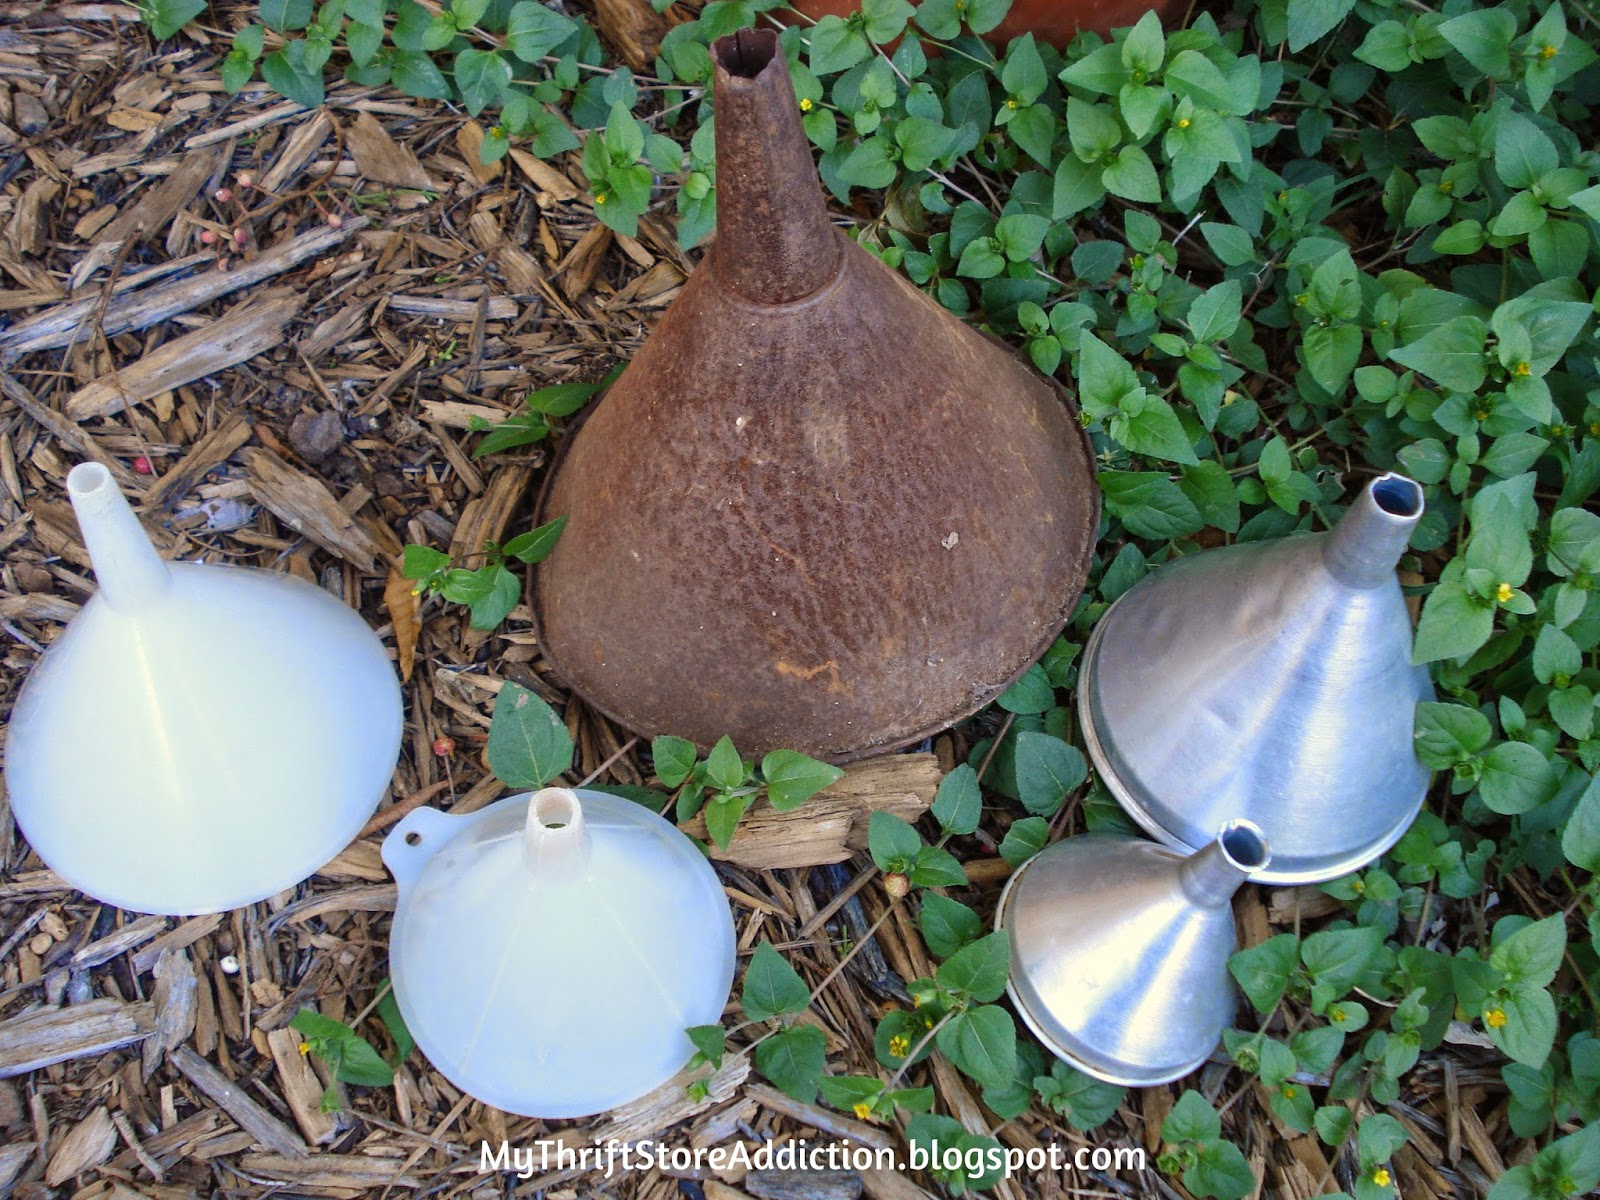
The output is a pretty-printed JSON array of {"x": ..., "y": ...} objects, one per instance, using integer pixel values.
[
  {"x": 1503, "y": 593},
  {"x": 1547, "y": 52},
  {"x": 863, "y": 1109},
  {"x": 805, "y": 104},
  {"x": 899, "y": 1045},
  {"x": 1522, "y": 370},
  {"x": 1183, "y": 122},
  {"x": 1011, "y": 103},
  {"x": 1495, "y": 1018},
  {"x": 304, "y": 1048},
  {"x": 1446, "y": 186},
  {"x": 1290, "y": 1091},
  {"x": 1381, "y": 1177},
  {"x": 600, "y": 199}
]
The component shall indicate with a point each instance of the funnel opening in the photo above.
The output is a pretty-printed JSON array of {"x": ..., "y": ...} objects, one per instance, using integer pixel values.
[
  {"x": 747, "y": 53},
  {"x": 86, "y": 479},
  {"x": 1397, "y": 496},
  {"x": 1245, "y": 845},
  {"x": 555, "y": 809}
]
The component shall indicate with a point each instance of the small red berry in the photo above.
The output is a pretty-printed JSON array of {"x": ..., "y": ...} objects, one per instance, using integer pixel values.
[
  {"x": 241, "y": 236},
  {"x": 207, "y": 237},
  {"x": 335, "y": 221},
  {"x": 444, "y": 746},
  {"x": 141, "y": 466},
  {"x": 222, "y": 195},
  {"x": 246, "y": 180}
]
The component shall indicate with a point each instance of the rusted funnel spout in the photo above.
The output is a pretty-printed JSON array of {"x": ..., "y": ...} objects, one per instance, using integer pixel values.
[{"x": 769, "y": 201}]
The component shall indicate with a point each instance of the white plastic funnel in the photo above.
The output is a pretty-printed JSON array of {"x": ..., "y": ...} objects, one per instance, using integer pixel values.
[
  {"x": 549, "y": 951},
  {"x": 200, "y": 737}
]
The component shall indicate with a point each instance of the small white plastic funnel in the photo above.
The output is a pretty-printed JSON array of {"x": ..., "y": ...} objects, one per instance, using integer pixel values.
[
  {"x": 200, "y": 737},
  {"x": 549, "y": 951}
]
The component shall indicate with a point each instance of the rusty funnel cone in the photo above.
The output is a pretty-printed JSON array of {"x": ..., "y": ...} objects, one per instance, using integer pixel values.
[{"x": 817, "y": 511}]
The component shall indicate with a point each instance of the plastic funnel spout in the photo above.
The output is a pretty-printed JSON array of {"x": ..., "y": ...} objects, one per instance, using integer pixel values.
[
  {"x": 555, "y": 838},
  {"x": 774, "y": 243},
  {"x": 1365, "y": 546},
  {"x": 131, "y": 574},
  {"x": 1211, "y": 876}
]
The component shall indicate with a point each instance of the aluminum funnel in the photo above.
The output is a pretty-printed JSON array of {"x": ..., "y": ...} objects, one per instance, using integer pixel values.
[
  {"x": 818, "y": 511},
  {"x": 1271, "y": 681},
  {"x": 200, "y": 737},
  {"x": 1119, "y": 950}
]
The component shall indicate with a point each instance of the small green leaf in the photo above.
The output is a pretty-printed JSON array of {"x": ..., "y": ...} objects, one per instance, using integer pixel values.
[
  {"x": 1149, "y": 504},
  {"x": 1192, "y": 1119},
  {"x": 1532, "y": 955},
  {"x": 979, "y": 970},
  {"x": 1031, "y": 693},
  {"x": 723, "y": 814},
  {"x": 535, "y": 545},
  {"x": 947, "y": 925},
  {"x": 1516, "y": 778},
  {"x": 1312, "y": 20},
  {"x": 166, "y": 17},
  {"x": 772, "y": 988},
  {"x": 710, "y": 1041},
  {"x": 1338, "y": 958},
  {"x": 936, "y": 867},
  {"x": 791, "y": 778},
  {"x": 482, "y": 76},
  {"x": 1263, "y": 971},
  {"x": 528, "y": 745},
  {"x": 288, "y": 72},
  {"x": 285, "y": 15},
  {"x": 892, "y": 842},
  {"x": 1047, "y": 770},
  {"x": 533, "y": 30},
  {"x": 958, "y": 804},
  {"x": 724, "y": 768},
  {"x": 982, "y": 1043},
  {"x": 1454, "y": 624},
  {"x": 1024, "y": 839},
  {"x": 419, "y": 562},
  {"x": 674, "y": 759},
  {"x": 794, "y": 1060}
]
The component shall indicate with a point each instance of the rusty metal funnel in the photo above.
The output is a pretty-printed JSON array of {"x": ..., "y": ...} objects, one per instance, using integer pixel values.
[{"x": 817, "y": 511}]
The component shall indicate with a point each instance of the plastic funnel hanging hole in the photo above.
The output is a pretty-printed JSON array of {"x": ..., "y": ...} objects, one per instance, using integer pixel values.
[
  {"x": 1397, "y": 496},
  {"x": 1245, "y": 846},
  {"x": 413, "y": 838}
]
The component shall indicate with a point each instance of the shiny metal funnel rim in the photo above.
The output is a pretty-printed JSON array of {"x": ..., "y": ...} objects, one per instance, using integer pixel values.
[
  {"x": 1133, "y": 803},
  {"x": 1074, "y": 1053}
]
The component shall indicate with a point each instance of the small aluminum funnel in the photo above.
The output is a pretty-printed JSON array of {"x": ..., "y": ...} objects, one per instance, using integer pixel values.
[
  {"x": 1271, "y": 681},
  {"x": 1119, "y": 950}
]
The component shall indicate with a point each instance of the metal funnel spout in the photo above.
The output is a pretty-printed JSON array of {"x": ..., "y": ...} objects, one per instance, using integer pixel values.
[
  {"x": 1364, "y": 547},
  {"x": 1211, "y": 877},
  {"x": 770, "y": 207}
]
